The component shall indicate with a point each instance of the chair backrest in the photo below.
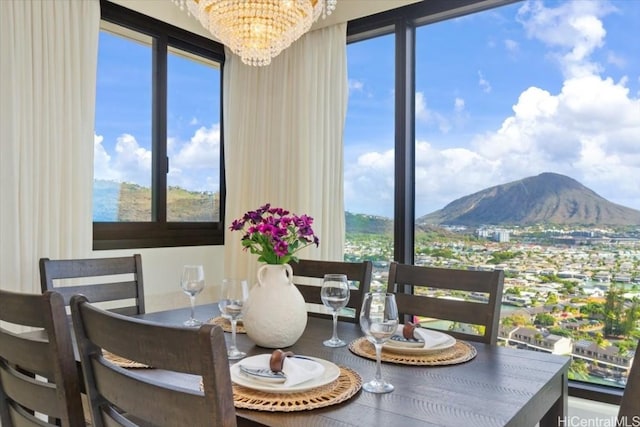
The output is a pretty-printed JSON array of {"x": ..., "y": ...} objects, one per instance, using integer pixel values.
[
  {"x": 38, "y": 370},
  {"x": 119, "y": 396},
  {"x": 426, "y": 291},
  {"x": 307, "y": 271},
  {"x": 90, "y": 279},
  {"x": 630, "y": 405}
]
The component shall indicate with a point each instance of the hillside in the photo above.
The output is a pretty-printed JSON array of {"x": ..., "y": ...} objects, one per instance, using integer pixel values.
[
  {"x": 115, "y": 202},
  {"x": 545, "y": 198}
]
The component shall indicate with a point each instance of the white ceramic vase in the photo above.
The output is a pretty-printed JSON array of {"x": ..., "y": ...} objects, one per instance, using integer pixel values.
[{"x": 275, "y": 314}]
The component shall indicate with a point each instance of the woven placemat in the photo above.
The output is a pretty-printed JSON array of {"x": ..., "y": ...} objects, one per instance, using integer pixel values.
[
  {"x": 122, "y": 362},
  {"x": 461, "y": 352},
  {"x": 225, "y": 324},
  {"x": 343, "y": 388}
]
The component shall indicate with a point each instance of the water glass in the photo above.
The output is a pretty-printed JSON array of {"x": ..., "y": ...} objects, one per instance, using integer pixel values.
[
  {"x": 379, "y": 321},
  {"x": 192, "y": 283},
  {"x": 335, "y": 295},
  {"x": 233, "y": 298}
]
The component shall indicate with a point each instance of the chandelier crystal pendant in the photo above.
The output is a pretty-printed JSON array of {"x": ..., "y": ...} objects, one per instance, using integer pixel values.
[{"x": 257, "y": 30}]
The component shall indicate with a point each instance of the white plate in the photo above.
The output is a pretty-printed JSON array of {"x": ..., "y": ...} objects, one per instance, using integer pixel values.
[
  {"x": 331, "y": 373},
  {"x": 444, "y": 341}
]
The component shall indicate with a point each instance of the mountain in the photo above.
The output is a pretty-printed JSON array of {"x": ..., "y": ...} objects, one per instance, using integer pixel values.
[
  {"x": 547, "y": 198},
  {"x": 367, "y": 224}
]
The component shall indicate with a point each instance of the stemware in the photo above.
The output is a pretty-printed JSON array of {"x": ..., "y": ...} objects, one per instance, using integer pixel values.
[
  {"x": 335, "y": 295},
  {"x": 379, "y": 321},
  {"x": 192, "y": 283},
  {"x": 234, "y": 296}
]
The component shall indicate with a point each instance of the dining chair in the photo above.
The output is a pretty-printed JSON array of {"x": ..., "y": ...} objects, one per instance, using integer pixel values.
[
  {"x": 630, "y": 404},
  {"x": 38, "y": 371},
  {"x": 427, "y": 292},
  {"x": 118, "y": 396},
  {"x": 117, "y": 280},
  {"x": 308, "y": 275}
]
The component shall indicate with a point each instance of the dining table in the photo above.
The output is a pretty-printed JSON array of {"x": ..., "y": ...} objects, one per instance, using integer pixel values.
[{"x": 499, "y": 386}]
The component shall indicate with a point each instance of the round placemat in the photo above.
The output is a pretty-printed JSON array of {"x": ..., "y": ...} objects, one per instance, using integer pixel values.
[
  {"x": 461, "y": 352},
  {"x": 122, "y": 362},
  {"x": 225, "y": 324},
  {"x": 343, "y": 388}
]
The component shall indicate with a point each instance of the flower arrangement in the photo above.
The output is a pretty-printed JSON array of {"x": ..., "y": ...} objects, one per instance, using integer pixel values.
[{"x": 274, "y": 234}]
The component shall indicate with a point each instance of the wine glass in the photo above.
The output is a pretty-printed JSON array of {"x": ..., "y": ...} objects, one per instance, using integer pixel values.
[
  {"x": 379, "y": 321},
  {"x": 192, "y": 284},
  {"x": 234, "y": 296},
  {"x": 335, "y": 295}
]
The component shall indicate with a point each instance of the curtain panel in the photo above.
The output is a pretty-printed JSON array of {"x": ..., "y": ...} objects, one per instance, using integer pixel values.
[
  {"x": 48, "y": 55},
  {"x": 283, "y": 141}
]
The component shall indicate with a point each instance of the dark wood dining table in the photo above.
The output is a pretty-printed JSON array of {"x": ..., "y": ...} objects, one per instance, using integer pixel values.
[{"x": 499, "y": 387}]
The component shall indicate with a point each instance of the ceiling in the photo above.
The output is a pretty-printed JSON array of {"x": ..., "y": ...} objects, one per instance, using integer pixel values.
[{"x": 346, "y": 10}]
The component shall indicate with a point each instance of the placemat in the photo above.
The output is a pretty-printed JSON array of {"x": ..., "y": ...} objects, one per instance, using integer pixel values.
[
  {"x": 225, "y": 324},
  {"x": 343, "y": 388},
  {"x": 461, "y": 352},
  {"x": 122, "y": 362}
]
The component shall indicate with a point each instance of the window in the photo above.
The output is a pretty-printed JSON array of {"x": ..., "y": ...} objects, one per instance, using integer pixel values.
[
  {"x": 497, "y": 97},
  {"x": 158, "y": 166},
  {"x": 368, "y": 157}
]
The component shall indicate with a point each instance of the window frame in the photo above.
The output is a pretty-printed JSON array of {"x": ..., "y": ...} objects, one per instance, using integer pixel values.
[
  {"x": 159, "y": 232},
  {"x": 403, "y": 22}
]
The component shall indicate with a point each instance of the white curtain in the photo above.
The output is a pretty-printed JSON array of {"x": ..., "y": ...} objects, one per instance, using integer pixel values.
[
  {"x": 48, "y": 55},
  {"x": 283, "y": 141}
]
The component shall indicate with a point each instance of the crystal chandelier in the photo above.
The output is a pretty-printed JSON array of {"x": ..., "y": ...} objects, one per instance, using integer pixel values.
[{"x": 257, "y": 30}]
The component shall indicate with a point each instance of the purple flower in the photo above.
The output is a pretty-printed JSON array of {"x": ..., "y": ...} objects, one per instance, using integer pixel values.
[{"x": 275, "y": 234}]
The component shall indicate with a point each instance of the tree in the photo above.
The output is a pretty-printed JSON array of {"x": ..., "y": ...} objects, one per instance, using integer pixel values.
[
  {"x": 544, "y": 319},
  {"x": 613, "y": 307}
]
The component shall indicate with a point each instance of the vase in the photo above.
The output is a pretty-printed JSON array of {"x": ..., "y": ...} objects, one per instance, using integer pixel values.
[{"x": 276, "y": 314}]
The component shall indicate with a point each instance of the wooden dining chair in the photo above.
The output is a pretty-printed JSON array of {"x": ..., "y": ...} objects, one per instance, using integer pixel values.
[
  {"x": 308, "y": 275},
  {"x": 118, "y": 396},
  {"x": 426, "y": 292},
  {"x": 630, "y": 404},
  {"x": 38, "y": 371},
  {"x": 124, "y": 288}
]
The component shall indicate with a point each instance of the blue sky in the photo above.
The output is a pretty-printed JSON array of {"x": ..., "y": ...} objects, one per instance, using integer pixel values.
[
  {"x": 536, "y": 86},
  {"x": 501, "y": 95}
]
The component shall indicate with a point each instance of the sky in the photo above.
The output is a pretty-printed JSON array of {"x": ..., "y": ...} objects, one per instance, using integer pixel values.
[
  {"x": 502, "y": 95},
  {"x": 532, "y": 87}
]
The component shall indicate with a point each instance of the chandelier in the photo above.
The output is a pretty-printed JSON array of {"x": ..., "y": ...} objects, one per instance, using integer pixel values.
[{"x": 257, "y": 30}]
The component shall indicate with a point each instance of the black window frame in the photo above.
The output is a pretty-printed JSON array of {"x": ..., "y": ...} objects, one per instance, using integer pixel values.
[
  {"x": 159, "y": 232},
  {"x": 402, "y": 22}
]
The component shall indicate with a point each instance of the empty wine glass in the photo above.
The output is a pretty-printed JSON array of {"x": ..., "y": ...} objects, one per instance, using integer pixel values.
[
  {"x": 335, "y": 295},
  {"x": 192, "y": 283},
  {"x": 234, "y": 296},
  {"x": 379, "y": 321}
]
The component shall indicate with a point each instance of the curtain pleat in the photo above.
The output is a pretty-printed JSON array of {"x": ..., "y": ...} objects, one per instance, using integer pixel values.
[
  {"x": 48, "y": 52},
  {"x": 284, "y": 128}
]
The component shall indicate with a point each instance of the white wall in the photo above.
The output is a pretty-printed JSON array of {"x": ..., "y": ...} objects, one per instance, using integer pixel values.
[{"x": 161, "y": 269}]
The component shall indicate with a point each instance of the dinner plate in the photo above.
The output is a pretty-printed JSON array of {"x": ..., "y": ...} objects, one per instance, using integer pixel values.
[
  {"x": 444, "y": 341},
  {"x": 331, "y": 373}
]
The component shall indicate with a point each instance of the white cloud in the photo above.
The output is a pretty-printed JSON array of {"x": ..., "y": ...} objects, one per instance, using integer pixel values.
[
  {"x": 355, "y": 85},
  {"x": 428, "y": 116},
  {"x": 615, "y": 59},
  {"x": 589, "y": 131},
  {"x": 483, "y": 83},
  {"x": 127, "y": 163},
  {"x": 573, "y": 30},
  {"x": 458, "y": 105},
  {"x": 193, "y": 164},
  {"x": 511, "y": 45}
]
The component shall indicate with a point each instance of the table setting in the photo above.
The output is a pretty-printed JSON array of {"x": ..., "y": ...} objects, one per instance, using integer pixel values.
[{"x": 287, "y": 361}]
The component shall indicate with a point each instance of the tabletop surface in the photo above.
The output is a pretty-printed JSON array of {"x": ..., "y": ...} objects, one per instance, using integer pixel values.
[{"x": 499, "y": 387}]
